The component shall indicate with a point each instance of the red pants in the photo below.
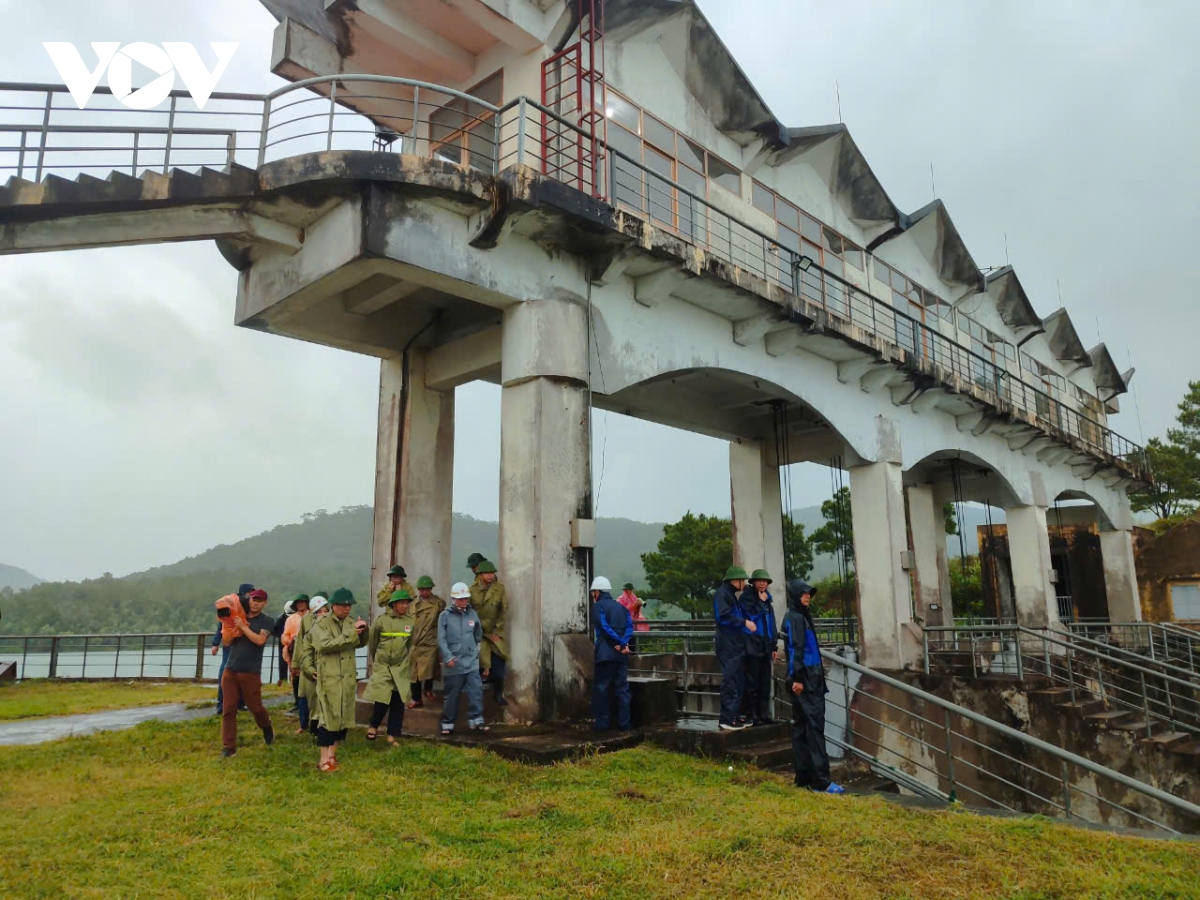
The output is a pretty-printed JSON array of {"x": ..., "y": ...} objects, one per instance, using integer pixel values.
[{"x": 245, "y": 687}]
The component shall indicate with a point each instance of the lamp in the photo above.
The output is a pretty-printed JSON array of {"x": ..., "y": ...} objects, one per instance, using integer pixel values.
[{"x": 803, "y": 263}]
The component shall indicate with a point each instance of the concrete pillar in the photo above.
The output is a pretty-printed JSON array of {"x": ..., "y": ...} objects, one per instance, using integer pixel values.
[
  {"x": 414, "y": 476},
  {"x": 757, "y": 509},
  {"x": 884, "y": 596},
  {"x": 930, "y": 568},
  {"x": 544, "y": 485},
  {"x": 1029, "y": 552},
  {"x": 1120, "y": 576}
]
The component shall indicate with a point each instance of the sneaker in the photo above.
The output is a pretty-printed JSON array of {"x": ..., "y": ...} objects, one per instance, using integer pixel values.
[
  {"x": 268, "y": 735},
  {"x": 729, "y": 726},
  {"x": 833, "y": 788},
  {"x": 227, "y": 752}
]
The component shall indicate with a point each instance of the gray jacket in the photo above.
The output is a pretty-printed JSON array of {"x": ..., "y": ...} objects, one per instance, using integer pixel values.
[{"x": 459, "y": 637}]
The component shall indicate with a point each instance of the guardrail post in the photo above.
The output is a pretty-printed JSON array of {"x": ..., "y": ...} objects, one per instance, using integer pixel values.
[
  {"x": 24, "y": 656},
  {"x": 137, "y": 141},
  {"x": 1146, "y": 705},
  {"x": 1070, "y": 674},
  {"x": 53, "y": 657},
  {"x": 200, "y": 656},
  {"x": 142, "y": 668},
  {"x": 83, "y": 668},
  {"x": 925, "y": 647},
  {"x": 21, "y": 154},
  {"x": 170, "y": 137},
  {"x": 264, "y": 131},
  {"x": 117, "y": 657},
  {"x": 950, "y": 756},
  {"x": 42, "y": 142},
  {"x": 1066, "y": 783},
  {"x": 332, "y": 110},
  {"x": 416, "y": 119},
  {"x": 521, "y": 113},
  {"x": 1020, "y": 661},
  {"x": 171, "y": 659}
]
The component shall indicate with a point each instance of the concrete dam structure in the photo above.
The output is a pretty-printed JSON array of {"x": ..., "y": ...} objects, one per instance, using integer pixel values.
[{"x": 596, "y": 209}]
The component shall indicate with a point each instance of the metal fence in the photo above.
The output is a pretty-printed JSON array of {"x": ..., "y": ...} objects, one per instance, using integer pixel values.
[
  {"x": 42, "y": 132},
  {"x": 94, "y": 657},
  {"x": 1159, "y": 641},
  {"x": 1156, "y": 693}
]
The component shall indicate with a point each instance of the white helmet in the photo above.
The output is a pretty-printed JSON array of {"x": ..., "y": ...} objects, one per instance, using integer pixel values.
[
  {"x": 600, "y": 583},
  {"x": 459, "y": 591},
  {"x": 319, "y": 604}
]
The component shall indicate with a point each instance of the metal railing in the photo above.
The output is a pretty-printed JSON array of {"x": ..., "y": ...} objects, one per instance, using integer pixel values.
[
  {"x": 1155, "y": 694},
  {"x": 1159, "y": 641},
  {"x": 939, "y": 749},
  {"x": 183, "y": 655},
  {"x": 696, "y": 635},
  {"x": 44, "y": 133}
]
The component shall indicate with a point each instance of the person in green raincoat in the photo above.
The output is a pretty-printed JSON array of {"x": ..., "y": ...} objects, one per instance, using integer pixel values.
[
  {"x": 335, "y": 638},
  {"x": 423, "y": 661},
  {"x": 489, "y": 598},
  {"x": 304, "y": 664},
  {"x": 397, "y": 581},
  {"x": 389, "y": 646}
]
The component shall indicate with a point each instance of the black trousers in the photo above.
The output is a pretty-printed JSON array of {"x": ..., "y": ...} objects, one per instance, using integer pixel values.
[
  {"x": 731, "y": 655},
  {"x": 394, "y": 710},
  {"x": 418, "y": 688},
  {"x": 497, "y": 672},
  {"x": 756, "y": 702},
  {"x": 808, "y": 739},
  {"x": 327, "y": 738}
]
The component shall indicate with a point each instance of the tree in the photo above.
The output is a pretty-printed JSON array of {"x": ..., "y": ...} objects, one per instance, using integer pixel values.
[
  {"x": 690, "y": 562},
  {"x": 797, "y": 550},
  {"x": 837, "y": 534},
  {"x": 966, "y": 586},
  {"x": 1175, "y": 464},
  {"x": 950, "y": 514}
]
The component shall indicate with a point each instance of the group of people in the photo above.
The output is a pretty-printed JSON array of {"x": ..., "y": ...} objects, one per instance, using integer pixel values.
[
  {"x": 417, "y": 633},
  {"x": 748, "y": 642}
]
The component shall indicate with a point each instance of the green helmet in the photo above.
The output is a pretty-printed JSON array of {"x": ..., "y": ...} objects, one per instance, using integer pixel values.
[
  {"x": 627, "y": 586},
  {"x": 475, "y": 559},
  {"x": 734, "y": 573},
  {"x": 399, "y": 597},
  {"x": 760, "y": 575},
  {"x": 300, "y": 597},
  {"x": 425, "y": 582},
  {"x": 322, "y": 594},
  {"x": 485, "y": 567},
  {"x": 341, "y": 597},
  {"x": 397, "y": 571}
]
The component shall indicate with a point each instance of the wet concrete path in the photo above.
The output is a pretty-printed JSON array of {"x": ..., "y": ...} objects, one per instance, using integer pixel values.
[{"x": 51, "y": 728}]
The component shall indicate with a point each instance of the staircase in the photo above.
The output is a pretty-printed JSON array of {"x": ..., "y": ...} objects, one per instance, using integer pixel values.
[{"x": 120, "y": 190}]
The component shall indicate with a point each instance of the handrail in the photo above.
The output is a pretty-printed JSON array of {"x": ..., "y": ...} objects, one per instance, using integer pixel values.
[
  {"x": 1021, "y": 737},
  {"x": 1050, "y": 638},
  {"x": 1117, "y": 648}
]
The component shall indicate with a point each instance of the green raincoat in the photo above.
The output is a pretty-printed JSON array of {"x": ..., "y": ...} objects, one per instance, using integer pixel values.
[
  {"x": 304, "y": 659},
  {"x": 424, "y": 640},
  {"x": 335, "y": 641},
  {"x": 492, "y": 605},
  {"x": 389, "y": 645},
  {"x": 385, "y": 593}
]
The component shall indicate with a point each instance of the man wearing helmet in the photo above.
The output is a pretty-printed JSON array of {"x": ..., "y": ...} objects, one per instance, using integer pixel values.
[{"x": 612, "y": 629}]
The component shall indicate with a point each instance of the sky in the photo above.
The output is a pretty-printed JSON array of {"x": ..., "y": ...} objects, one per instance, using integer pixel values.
[{"x": 141, "y": 426}]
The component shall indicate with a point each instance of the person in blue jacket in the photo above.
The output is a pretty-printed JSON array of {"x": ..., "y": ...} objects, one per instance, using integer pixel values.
[
  {"x": 761, "y": 645},
  {"x": 806, "y": 681},
  {"x": 732, "y": 627},
  {"x": 612, "y": 630}
]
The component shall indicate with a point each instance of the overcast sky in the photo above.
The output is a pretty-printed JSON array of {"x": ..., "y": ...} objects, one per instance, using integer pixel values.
[{"x": 141, "y": 426}]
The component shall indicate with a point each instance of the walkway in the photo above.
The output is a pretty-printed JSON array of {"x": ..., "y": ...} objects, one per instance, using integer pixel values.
[{"x": 52, "y": 728}]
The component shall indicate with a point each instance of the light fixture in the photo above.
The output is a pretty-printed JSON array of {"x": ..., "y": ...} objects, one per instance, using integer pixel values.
[{"x": 803, "y": 263}]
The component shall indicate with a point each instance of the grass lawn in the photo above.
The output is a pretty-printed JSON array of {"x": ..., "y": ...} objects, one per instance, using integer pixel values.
[{"x": 154, "y": 812}]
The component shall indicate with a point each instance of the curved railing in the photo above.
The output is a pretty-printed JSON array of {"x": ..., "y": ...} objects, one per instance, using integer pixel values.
[{"x": 42, "y": 133}]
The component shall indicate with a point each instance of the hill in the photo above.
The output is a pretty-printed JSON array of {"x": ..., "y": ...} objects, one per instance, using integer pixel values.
[
  {"x": 323, "y": 550},
  {"x": 17, "y": 579}
]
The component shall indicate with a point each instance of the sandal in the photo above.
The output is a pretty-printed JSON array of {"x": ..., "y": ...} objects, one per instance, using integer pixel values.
[
  {"x": 392, "y": 742},
  {"x": 327, "y": 766},
  {"x": 480, "y": 728},
  {"x": 413, "y": 704},
  {"x": 446, "y": 732},
  {"x": 372, "y": 733}
]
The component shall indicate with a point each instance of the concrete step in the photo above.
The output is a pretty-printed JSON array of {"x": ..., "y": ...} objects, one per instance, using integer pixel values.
[
  {"x": 1081, "y": 707},
  {"x": 775, "y": 754},
  {"x": 1190, "y": 748},
  {"x": 20, "y": 192},
  {"x": 56, "y": 189},
  {"x": 1168, "y": 739},
  {"x": 1052, "y": 693},
  {"x": 1136, "y": 724},
  {"x": 1109, "y": 717},
  {"x": 699, "y": 736}
]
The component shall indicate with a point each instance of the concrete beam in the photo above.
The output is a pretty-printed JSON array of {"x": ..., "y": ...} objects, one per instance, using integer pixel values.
[
  {"x": 1029, "y": 553},
  {"x": 968, "y": 421},
  {"x": 929, "y": 555},
  {"x": 852, "y": 370},
  {"x": 651, "y": 289},
  {"x": 151, "y": 226},
  {"x": 928, "y": 400},
  {"x": 409, "y": 37},
  {"x": 883, "y": 376},
  {"x": 498, "y": 26},
  {"x": 1120, "y": 576},
  {"x": 1023, "y": 439},
  {"x": 463, "y": 361},
  {"x": 375, "y": 293},
  {"x": 752, "y": 330},
  {"x": 788, "y": 343}
]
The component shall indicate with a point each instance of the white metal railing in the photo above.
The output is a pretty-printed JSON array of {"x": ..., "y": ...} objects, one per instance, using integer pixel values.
[
  {"x": 43, "y": 133},
  {"x": 1163, "y": 641}
]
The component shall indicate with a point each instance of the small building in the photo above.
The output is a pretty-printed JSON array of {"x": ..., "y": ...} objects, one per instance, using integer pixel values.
[{"x": 1168, "y": 572}]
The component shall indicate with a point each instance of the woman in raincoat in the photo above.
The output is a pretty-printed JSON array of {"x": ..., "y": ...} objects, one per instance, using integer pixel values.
[
  {"x": 390, "y": 646},
  {"x": 335, "y": 639},
  {"x": 304, "y": 664}
]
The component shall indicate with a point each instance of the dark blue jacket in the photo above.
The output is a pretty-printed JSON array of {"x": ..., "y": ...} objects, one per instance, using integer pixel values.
[
  {"x": 728, "y": 612},
  {"x": 766, "y": 638},
  {"x": 804, "y": 665},
  {"x": 612, "y": 628}
]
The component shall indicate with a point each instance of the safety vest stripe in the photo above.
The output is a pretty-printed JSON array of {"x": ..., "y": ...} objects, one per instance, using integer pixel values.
[{"x": 394, "y": 634}]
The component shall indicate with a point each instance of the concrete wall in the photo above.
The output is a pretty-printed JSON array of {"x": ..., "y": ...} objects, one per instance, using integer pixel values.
[{"x": 1171, "y": 557}]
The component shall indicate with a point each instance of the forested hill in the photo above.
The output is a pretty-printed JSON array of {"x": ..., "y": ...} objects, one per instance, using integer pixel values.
[{"x": 325, "y": 550}]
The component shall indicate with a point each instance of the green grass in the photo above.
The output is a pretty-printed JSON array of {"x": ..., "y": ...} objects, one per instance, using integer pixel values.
[
  {"x": 154, "y": 812},
  {"x": 33, "y": 698}
]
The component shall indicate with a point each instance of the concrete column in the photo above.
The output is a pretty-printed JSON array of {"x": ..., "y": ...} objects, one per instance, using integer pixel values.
[
  {"x": 1029, "y": 552},
  {"x": 757, "y": 508},
  {"x": 930, "y": 566},
  {"x": 884, "y": 596},
  {"x": 544, "y": 485},
  {"x": 414, "y": 476},
  {"x": 1120, "y": 576}
]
